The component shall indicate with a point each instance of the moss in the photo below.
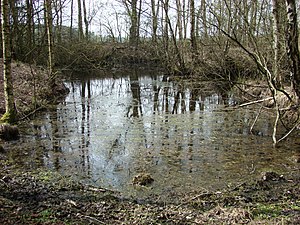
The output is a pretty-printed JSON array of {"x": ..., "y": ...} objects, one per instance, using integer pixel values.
[
  {"x": 8, "y": 117},
  {"x": 267, "y": 210}
]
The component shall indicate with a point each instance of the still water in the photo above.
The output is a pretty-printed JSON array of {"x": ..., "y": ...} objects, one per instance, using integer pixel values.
[{"x": 110, "y": 129}]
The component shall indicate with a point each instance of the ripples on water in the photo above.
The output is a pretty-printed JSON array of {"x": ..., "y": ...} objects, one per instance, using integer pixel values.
[{"x": 110, "y": 129}]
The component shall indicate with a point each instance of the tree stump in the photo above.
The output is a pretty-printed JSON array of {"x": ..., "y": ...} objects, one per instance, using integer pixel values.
[{"x": 9, "y": 132}]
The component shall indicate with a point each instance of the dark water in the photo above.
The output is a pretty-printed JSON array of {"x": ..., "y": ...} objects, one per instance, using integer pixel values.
[{"x": 108, "y": 130}]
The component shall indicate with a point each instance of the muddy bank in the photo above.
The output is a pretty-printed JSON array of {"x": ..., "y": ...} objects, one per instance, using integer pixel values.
[
  {"x": 43, "y": 197},
  {"x": 31, "y": 89}
]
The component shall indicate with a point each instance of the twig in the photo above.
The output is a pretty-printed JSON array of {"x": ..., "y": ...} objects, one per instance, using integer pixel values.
[
  {"x": 92, "y": 219},
  {"x": 31, "y": 113},
  {"x": 256, "y": 118},
  {"x": 275, "y": 125}
]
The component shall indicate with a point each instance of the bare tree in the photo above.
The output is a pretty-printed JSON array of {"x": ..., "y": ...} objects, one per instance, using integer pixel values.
[
  {"x": 292, "y": 45},
  {"x": 48, "y": 22},
  {"x": 132, "y": 10},
  {"x": 179, "y": 19},
  {"x": 10, "y": 111},
  {"x": 80, "y": 27},
  {"x": 154, "y": 11},
  {"x": 277, "y": 36},
  {"x": 85, "y": 18},
  {"x": 58, "y": 7},
  {"x": 30, "y": 27},
  {"x": 71, "y": 20},
  {"x": 180, "y": 64},
  {"x": 193, "y": 26}
]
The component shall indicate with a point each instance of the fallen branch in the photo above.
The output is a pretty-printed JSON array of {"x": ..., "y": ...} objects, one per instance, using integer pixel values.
[
  {"x": 32, "y": 112},
  {"x": 289, "y": 132},
  {"x": 254, "y": 102},
  {"x": 91, "y": 219},
  {"x": 256, "y": 118}
]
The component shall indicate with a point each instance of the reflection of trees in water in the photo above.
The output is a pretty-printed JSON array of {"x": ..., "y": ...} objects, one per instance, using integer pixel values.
[
  {"x": 135, "y": 88},
  {"x": 59, "y": 125},
  {"x": 172, "y": 143},
  {"x": 156, "y": 90},
  {"x": 85, "y": 122},
  {"x": 168, "y": 97},
  {"x": 147, "y": 96},
  {"x": 135, "y": 129}
]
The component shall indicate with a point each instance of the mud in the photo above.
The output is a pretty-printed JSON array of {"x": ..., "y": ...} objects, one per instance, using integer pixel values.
[{"x": 43, "y": 197}]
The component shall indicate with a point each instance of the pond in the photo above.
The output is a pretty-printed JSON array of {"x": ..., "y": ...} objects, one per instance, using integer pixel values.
[{"x": 111, "y": 128}]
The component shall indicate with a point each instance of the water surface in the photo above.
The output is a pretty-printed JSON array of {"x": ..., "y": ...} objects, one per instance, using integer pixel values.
[{"x": 110, "y": 129}]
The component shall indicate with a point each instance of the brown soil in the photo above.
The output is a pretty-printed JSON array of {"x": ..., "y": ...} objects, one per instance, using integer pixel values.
[
  {"x": 31, "y": 89},
  {"x": 44, "y": 197}
]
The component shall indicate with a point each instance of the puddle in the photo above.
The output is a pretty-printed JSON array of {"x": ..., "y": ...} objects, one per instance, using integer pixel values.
[{"x": 108, "y": 130}]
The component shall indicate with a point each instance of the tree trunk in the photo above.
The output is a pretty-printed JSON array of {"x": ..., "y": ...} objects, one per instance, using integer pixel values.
[
  {"x": 48, "y": 22},
  {"x": 133, "y": 26},
  {"x": 181, "y": 64},
  {"x": 185, "y": 19},
  {"x": 154, "y": 10},
  {"x": 179, "y": 19},
  {"x": 10, "y": 112},
  {"x": 16, "y": 41},
  {"x": 276, "y": 46},
  {"x": 80, "y": 27},
  {"x": 58, "y": 30},
  {"x": 292, "y": 46},
  {"x": 204, "y": 19},
  {"x": 165, "y": 8},
  {"x": 193, "y": 27},
  {"x": 138, "y": 22},
  {"x": 1, "y": 22},
  {"x": 86, "y": 22},
  {"x": 71, "y": 20},
  {"x": 29, "y": 33}
]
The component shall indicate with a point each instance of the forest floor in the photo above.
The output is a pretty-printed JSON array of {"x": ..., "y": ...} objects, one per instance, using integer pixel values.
[
  {"x": 45, "y": 197},
  {"x": 31, "y": 89}
]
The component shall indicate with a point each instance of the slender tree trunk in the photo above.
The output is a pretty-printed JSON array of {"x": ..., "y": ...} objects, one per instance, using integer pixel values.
[
  {"x": 10, "y": 112},
  {"x": 71, "y": 21},
  {"x": 29, "y": 9},
  {"x": 134, "y": 25},
  {"x": 80, "y": 27},
  {"x": 181, "y": 63},
  {"x": 154, "y": 10},
  {"x": 165, "y": 8},
  {"x": 193, "y": 27},
  {"x": 292, "y": 45},
  {"x": 138, "y": 22},
  {"x": 179, "y": 19},
  {"x": 16, "y": 39},
  {"x": 48, "y": 22},
  {"x": 86, "y": 22},
  {"x": 58, "y": 12},
  {"x": 204, "y": 19},
  {"x": 276, "y": 41},
  {"x": 1, "y": 22},
  {"x": 184, "y": 19}
]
